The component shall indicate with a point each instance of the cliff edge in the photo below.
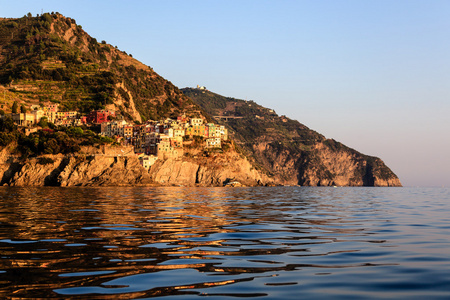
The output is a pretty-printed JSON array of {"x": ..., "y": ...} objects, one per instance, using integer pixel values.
[{"x": 95, "y": 168}]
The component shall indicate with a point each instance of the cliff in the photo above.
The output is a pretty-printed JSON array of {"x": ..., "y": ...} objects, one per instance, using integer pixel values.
[
  {"x": 210, "y": 169},
  {"x": 325, "y": 166},
  {"x": 94, "y": 167},
  {"x": 290, "y": 152}
]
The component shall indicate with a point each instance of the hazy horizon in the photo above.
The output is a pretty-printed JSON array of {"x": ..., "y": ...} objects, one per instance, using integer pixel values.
[{"x": 371, "y": 75}]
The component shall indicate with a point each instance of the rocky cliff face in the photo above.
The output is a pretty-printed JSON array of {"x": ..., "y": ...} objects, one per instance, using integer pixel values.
[
  {"x": 289, "y": 151},
  {"x": 98, "y": 169},
  {"x": 216, "y": 169},
  {"x": 320, "y": 166},
  {"x": 52, "y": 170},
  {"x": 325, "y": 166}
]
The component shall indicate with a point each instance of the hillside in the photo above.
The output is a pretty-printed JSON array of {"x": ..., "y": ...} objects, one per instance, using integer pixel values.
[
  {"x": 288, "y": 150},
  {"x": 50, "y": 58}
]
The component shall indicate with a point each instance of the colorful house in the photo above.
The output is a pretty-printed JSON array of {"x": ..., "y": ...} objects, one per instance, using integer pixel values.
[{"x": 99, "y": 116}]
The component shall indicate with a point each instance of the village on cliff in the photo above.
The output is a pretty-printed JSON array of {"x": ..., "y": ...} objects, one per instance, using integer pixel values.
[{"x": 151, "y": 141}]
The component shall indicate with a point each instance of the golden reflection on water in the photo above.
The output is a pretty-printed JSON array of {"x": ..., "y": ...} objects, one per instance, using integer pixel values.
[
  {"x": 91, "y": 227},
  {"x": 109, "y": 242}
]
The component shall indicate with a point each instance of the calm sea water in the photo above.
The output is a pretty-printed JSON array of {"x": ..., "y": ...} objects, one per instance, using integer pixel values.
[{"x": 184, "y": 243}]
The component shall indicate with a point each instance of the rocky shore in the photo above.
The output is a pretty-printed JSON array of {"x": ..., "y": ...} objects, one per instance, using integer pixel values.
[{"x": 94, "y": 168}]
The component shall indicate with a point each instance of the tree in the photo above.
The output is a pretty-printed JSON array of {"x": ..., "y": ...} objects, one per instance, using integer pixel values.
[
  {"x": 43, "y": 122},
  {"x": 14, "y": 108},
  {"x": 57, "y": 75},
  {"x": 7, "y": 124},
  {"x": 47, "y": 17},
  {"x": 75, "y": 131},
  {"x": 23, "y": 110}
]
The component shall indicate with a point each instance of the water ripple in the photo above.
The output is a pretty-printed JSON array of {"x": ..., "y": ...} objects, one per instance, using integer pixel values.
[{"x": 277, "y": 243}]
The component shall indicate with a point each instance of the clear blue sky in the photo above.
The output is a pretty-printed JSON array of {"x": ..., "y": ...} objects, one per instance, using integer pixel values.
[{"x": 374, "y": 75}]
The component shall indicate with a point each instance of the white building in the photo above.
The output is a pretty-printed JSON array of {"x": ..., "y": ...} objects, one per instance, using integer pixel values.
[{"x": 147, "y": 160}]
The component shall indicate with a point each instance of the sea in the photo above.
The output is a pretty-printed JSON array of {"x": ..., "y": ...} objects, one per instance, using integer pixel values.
[{"x": 224, "y": 243}]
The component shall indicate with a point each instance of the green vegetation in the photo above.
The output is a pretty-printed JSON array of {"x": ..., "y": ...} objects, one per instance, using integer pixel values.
[
  {"x": 210, "y": 102},
  {"x": 43, "y": 122},
  {"x": 14, "y": 107},
  {"x": 48, "y": 141},
  {"x": 63, "y": 140},
  {"x": 8, "y": 131},
  {"x": 49, "y": 58},
  {"x": 254, "y": 121}
]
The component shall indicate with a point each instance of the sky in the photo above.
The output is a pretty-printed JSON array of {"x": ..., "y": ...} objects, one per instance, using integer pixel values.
[{"x": 374, "y": 75}]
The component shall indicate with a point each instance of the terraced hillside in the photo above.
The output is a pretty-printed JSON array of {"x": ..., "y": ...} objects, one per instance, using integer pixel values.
[{"x": 50, "y": 58}]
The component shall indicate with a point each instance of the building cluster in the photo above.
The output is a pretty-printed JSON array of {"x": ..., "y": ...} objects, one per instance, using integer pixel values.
[
  {"x": 164, "y": 139},
  {"x": 151, "y": 141},
  {"x": 51, "y": 112},
  {"x": 201, "y": 88},
  {"x": 57, "y": 117}
]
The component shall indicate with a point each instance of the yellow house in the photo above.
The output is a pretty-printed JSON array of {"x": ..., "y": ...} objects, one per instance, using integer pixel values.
[
  {"x": 38, "y": 114},
  {"x": 196, "y": 121},
  {"x": 23, "y": 119}
]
